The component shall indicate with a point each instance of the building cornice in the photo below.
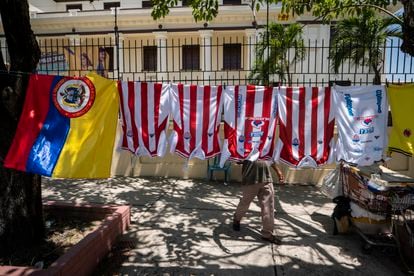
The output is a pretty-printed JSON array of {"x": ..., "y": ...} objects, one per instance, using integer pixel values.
[{"x": 140, "y": 19}]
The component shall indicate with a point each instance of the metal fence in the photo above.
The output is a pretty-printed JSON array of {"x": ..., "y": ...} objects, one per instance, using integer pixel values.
[{"x": 216, "y": 61}]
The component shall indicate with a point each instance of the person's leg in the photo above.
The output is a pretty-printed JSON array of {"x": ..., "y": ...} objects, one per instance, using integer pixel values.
[
  {"x": 249, "y": 192},
  {"x": 266, "y": 197}
]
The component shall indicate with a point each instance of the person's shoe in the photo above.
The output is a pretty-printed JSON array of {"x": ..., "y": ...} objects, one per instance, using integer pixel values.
[
  {"x": 236, "y": 225},
  {"x": 273, "y": 239}
]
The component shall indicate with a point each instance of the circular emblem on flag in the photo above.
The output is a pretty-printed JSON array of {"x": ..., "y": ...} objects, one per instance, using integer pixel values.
[
  {"x": 187, "y": 135},
  {"x": 74, "y": 97},
  {"x": 407, "y": 132}
]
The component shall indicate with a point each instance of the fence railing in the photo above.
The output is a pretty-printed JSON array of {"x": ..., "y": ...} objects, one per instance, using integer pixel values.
[{"x": 215, "y": 61}]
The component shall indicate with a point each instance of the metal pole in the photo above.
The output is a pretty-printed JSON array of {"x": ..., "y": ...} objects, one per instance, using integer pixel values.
[
  {"x": 116, "y": 41},
  {"x": 268, "y": 42}
]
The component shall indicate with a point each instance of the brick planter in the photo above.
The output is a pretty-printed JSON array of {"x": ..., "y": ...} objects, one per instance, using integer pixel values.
[{"x": 83, "y": 257}]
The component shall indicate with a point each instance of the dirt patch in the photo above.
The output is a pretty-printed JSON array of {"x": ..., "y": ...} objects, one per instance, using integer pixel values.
[{"x": 61, "y": 234}]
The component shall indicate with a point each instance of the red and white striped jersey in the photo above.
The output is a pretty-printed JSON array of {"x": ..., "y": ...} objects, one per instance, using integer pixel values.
[
  {"x": 144, "y": 111},
  {"x": 196, "y": 112},
  {"x": 306, "y": 126},
  {"x": 250, "y": 114}
]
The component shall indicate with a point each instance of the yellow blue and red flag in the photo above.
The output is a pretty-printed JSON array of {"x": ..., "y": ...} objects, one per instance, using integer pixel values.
[{"x": 67, "y": 127}]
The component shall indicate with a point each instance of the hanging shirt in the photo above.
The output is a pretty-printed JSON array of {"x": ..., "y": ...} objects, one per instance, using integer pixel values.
[
  {"x": 196, "y": 112},
  {"x": 401, "y": 99},
  {"x": 144, "y": 114},
  {"x": 306, "y": 126},
  {"x": 361, "y": 115},
  {"x": 250, "y": 114}
]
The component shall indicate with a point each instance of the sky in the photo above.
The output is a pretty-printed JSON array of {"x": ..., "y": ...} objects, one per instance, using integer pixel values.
[{"x": 399, "y": 67}]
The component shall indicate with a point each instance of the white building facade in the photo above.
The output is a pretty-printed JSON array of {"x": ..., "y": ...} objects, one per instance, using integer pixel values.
[{"x": 176, "y": 48}]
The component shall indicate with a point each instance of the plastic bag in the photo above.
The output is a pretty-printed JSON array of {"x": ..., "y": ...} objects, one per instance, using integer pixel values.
[{"x": 332, "y": 184}]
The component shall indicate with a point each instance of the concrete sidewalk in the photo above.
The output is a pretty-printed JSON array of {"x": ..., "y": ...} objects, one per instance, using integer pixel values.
[{"x": 183, "y": 227}]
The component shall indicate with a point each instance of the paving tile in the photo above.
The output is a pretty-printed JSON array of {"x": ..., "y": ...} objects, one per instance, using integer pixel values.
[{"x": 183, "y": 227}]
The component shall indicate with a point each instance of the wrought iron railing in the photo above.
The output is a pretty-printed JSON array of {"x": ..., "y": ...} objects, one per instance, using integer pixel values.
[{"x": 169, "y": 61}]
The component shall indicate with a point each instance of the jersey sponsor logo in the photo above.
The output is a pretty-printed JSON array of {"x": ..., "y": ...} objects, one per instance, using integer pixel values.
[
  {"x": 376, "y": 137},
  {"x": 74, "y": 97},
  {"x": 378, "y": 149},
  {"x": 241, "y": 138},
  {"x": 367, "y": 122},
  {"x": 256, "y": 134},
  {"x": 295, "y": 142},
  {"x": 359, "y": 118},
  {"x": 239, "y": 105},
  {"x": 378, "y": 94},
  {"x": 257, "y": 118},
  {"x": 257, "y": 123},
  {"x": 366, "y": 130},
  {"x": 355, "y": 138},
  {"x": 407, "y": 132},
  {"x": 348, "y": 102},
  {"x": 187, "y": 135},
  {"x": 254, "y": 142},
  {"x": 366, "y": 141}
]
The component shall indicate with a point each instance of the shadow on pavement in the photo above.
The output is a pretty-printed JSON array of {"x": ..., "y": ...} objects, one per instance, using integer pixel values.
[{"x": 183, "y": 227}]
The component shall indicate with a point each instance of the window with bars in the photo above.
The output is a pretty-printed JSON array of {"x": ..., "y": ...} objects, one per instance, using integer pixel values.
[
  {"x": 147, "y": 4},
  {"x": 73, "y": 7},
  {"x": 109, "y": 5},
  {"x": 232, "y": 56},
  {"x": 191, "y": 57},
  {"x": 149, "y": 58},
  {"x": 231, "y": 2}
]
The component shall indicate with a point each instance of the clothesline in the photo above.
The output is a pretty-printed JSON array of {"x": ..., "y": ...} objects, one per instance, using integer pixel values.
[
  {"x": 19, "y": 73},
  {"x": 306, "y": 117}
]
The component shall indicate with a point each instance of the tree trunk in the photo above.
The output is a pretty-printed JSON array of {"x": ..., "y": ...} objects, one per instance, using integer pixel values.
[
  {"x": 289, "y": 75},
  {"x": 21, "y": 217},
  {"x": 377, "y": 75},
  {"x": 407, "y": 45}
]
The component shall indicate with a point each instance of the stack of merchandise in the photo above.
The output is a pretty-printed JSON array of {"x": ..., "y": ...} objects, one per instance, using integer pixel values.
[{"x": 375, "y": 193}]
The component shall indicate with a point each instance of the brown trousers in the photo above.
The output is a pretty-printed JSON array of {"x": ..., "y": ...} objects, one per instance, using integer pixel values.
[{"x": 266, "y": 196}]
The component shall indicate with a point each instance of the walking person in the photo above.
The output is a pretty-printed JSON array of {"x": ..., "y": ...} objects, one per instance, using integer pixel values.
[{"x": 257, "y": 181}]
